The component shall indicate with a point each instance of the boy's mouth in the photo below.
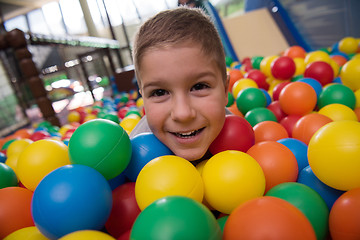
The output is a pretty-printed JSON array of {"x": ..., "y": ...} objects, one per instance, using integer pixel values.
[{"x": 188, "y": 134}]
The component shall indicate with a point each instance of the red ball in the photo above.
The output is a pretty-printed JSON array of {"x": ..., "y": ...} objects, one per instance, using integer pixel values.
[
  {"x": 277, "y": 89},
  {"x": 122, "y": 112},
  {"x": 258, "y": 77},
  {"x": 236, "y": 134},
  {"x": 275, "y": 107},
  {"x": 38, "y": 135},
  {"x": 289, "y": 122},
  {"x": 124, "y": 210},
  {"x": 283, "y": 68},
  {"x": 320, "y": 71}
]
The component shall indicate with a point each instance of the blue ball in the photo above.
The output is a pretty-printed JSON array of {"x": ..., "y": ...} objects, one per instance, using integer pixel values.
[
  {"x": 2, "y": 157},
  {"x": 316, "y": 85},
  {"x": 299, "y": 149},
  {"x": 145, "y": 147},
  {"x": 117, "y": 181},
  {"x": 267, "y": 96},
  {"x": 71, "y": 198},
  {"x": 329, "y": 194}
]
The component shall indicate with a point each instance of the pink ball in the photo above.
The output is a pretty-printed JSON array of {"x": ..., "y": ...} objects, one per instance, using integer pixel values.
[
  {"x": 283, "y": 68},
  {"x": 320, "y": 71}
]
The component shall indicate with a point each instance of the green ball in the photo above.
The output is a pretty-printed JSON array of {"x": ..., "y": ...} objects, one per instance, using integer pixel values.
[
  {"x": 176, "y": 217},
  {"x": 136, "y": 112},
  {"x": 250, "y": 98},
  {"x": 259, "y": 114},
  {"x": 101, "y": 114},
  {"x": 7, "y": 176},
  {"x": 45, "y": 124},
  {"x": 255, "y": 62},
  {"x": 101, "y": 144},
  {"x": 230, "y": 99},
  {"x": 228, "y": 61},
  {"x": 113, "y": 117},
  {"x": 296, "y": 78},
  {"x": 7, "y": 143},
  {"x": 221, "y": 221},
  {"x": 337, "y": 93},
  {"x": 308, "y": 201}
]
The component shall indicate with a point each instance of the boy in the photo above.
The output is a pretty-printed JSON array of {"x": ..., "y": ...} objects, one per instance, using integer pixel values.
[{"x": 180, "y": 67}]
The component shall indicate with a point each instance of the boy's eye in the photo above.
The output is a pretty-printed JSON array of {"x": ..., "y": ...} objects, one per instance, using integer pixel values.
[
  {"x": 199, "y": 86},
  {"x": 158, "y": 93}
]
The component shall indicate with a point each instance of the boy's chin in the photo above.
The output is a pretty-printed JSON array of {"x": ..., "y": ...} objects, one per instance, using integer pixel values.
[{"x": 188, "y": 155}]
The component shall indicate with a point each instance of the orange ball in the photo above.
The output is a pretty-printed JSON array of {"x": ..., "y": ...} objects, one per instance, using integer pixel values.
[
  {"x": 357, "y": 112},
  {"x": 295, "y": 52},
  {"x": 344, "y": 216},
  {"x": 233, "y": 108},
  {"x": 340, "y": 60},
  {"x": 298, "y": 98},
  {"x": 268, "y": 218},
  {"x": 15, "y": 210},
  {"x": 269, "y": 131},
  {"x": 23, "y": 133},
  {"x": 277, "y": 161},
  {"x": 234, "y": 75},
  {"x": 307, "y": 125}
]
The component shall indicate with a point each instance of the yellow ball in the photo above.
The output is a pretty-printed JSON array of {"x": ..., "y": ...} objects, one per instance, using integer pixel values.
[
  {"x": 338, "y": 112},
  {"x": 27, "y": 233},
  {"x": 348, "y": 45},
  {"x": 140, "y": 102},
  {"x": 315, "y": 56},
  {"x": 87, "y": 235},
  {"x": 242, "y": 84},
  {"x": 17, "y": 146},
  {"x": 12, "y": 161},
  {"x": 168, "y": 176},
  {"x": 335, "y": 67},
  {"x": 64, "y": 129},
  {"x": 265, "y": 65},
  {"x": 356, "y": 56},
  {"x": 334, "y": 153},
  {"x": 73, "y": 116},
  {"x": 350, "y": 74},
  {"x": 299, "y": 66},
  {"x": 232, "y": 178},
  {"x": 89, "y": 117},
  {"x": 129, "y": 123},
  {"x": 39, "y": 159},
  {"x": 357, "y": 96}
]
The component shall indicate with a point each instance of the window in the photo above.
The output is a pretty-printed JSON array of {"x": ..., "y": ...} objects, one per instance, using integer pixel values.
[
  {"x": 17, "y": 22},
  {"x": 37, "y": 22},
  {"x": 73, "y": 17},
  {"x": 53, "y": 18}
]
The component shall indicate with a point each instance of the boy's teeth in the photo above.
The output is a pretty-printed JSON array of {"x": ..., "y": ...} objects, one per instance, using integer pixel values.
[{"x": 188, "y": 134}]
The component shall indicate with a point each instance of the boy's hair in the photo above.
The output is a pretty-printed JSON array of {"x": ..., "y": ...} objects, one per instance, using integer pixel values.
[{"x": 171, "y": 28}]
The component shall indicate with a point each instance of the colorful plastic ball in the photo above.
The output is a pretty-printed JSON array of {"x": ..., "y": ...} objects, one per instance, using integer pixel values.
[
  {"x": 176, "y": 217},
  {"x": 295, "y": 52},
  {"x": 268, "y": 218},
  {"x": 350, "y": 74},
  {"x": 258, "y": 115},
  {"x": 234, "y": 110},
  {"x": 87, "y": 235},
  {"x": 39, "y": 135},
  {"x": 315, "y": 56},
  {"x": 89, "y": 117},
  {"x": 308, "y": 201},
  {"x": 333, "y": 152},
  {"x": 124, "y": 210},
  {"x": 228, "y": 60},
  {"x": 232, "y": 178},
  {"x": 269, "y": 131},
  {"x": 335, "y": 67},
  {"x": 344, "y": 215},
  {"x": 242, "y": 84},
  {"x": 28, "y": 233},
  {"x": 283, "y": 68},
  {"x": 307, "y": 125},
  {"x": 71, "y": 198},
  {"x": 234, "y": 75},
  {"x": 250, "y": 98},
  {"x": 297, "y": 98},
  {"x": 23, "y": 133},
  {"x": 299, "y": 149},
  {"x": 73, "y": 116},
  {"x": 275, "y": 107},
  {"x": 278, "y": 88},
  {"x": 231, "y": 99},
  {"x": 299, "y": 67},
  {"x": 15, "y": 210},
  {"x": 101, "y": 144},
  {"x": 338, "y": 112},
  {"x": 265, "y": 65},
  {"x": 339, "y": 59},
  {"x": 337, "y": 93},
  {"x": 145, "y": 147},
  {"x": 2, "y": 157},
  {"x": 327, "y": 193},
  {"x": 8, "y": 177},
  {"x": 356, "y": 110},
  {"x": 222, "y": 221},
  {"x": 18, "y": 146},
  {"x": 129, "y": 123},
  {"x": 112, "y": 117},
  {"x": 348, "y": 45},
  {"x": 166, "y": 176},
  {"x": 316, "y": 85},
  {"x": 39, "y": 159},
  {"x": 12, "y": 162},
  {"x": 256, "y": 61},
  {"x": 258, "y": 77},
  {"x": 289, "y": 122},
  {"x": 236, "y": 134},
  {"x": 320, "y": 71}
]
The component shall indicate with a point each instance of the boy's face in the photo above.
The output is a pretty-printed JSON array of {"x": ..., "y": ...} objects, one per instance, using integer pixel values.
[{"x": 184, "y": 98}]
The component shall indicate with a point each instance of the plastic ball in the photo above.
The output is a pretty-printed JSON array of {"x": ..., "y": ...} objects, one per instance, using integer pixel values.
[
  {"x": 357, "y": 97},
  {"x": 256, "y": 61},
  {"x": 15, "y": 210},
  {"x": 39, "y": 135},
  {"x": 250, "y": 98},
  {"x": 337, "y": 93},
  {"x": 258, "y": 115},
  {"x": 268, "y": 218},
  {"x": 316, "y": 85},
  {"x": 236, "y": 134},
  {"x": 283, "y": 68},
  {"x": 8, "y": 177},
  {"x": 277, "y": 161},
  {"x": 145, "y": 147},
  {"x": 350, "y": 74},
  {"x": 234, "y": 75},
  {"x": 232, "y": 178},
  {"x": 176, "y": 217},
  {"x": 344, "y": 216},
  {"x": 308, "y": 201},
  {"x": 320, "y": 71},
  {"x": 12, "y": 162},
  {"x": 28, "y": 233},
  {"x": 338, "y": 112},
  {"x": 340, "y": 60},
  {"x": 258, "y": 77},
  {"x": 221, "y": 221},
  {"x": 269, "y": 131},
  {"x": 297, "y": 98},
  {"x": 166, "y": 176},
  {"x": 289, "y": 122},
  {"x": 333, "y": 152},
  {"x": 89, "y": 117},
  {"x": 278, "y": 88},
  {"x": 315, "y": 56},
  {"x": 299, "y": 66},
  {"x": 112, "y": 117},
  {"x": 39, "y": 159},
  {"x": 231, "y": 99},
  {"x": 129, "y": 123},
  {"x": 18, "y": 146},
  {"x": 265, "y": 65},
  {"x": 295, "y": 52},
  {"x": 101, "y": 144},
  {"x": 275, "y": 107},
  {"x": 23, "y": 133},
  {"x": 73, "y": 116},
  {"x": 87, "y": 235},
  {"x": 299, "y": 149},
  {"x": 307, "y": 125},
  {"x": 71, "y": 198},
  {"x": 327, "y": 193},
  {"x": 2, "y": 157},
  {"x": 242, "y": 84},
  {"x": 348, "y": 45}
]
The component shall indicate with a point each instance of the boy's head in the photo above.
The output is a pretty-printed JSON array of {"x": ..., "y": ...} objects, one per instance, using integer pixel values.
[
  {"x": 174, "y": 27},
  {"x": 180, "y": 66}
]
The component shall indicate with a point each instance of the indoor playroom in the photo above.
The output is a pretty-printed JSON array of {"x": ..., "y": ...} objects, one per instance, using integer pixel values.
[{"x": 188, "y": 119}]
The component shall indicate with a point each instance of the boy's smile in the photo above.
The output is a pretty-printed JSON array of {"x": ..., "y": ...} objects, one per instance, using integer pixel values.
[{"x": 184, "y": 98}]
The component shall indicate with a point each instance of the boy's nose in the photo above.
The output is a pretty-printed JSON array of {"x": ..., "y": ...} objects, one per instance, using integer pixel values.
[{"x": 182, "y": 109}]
